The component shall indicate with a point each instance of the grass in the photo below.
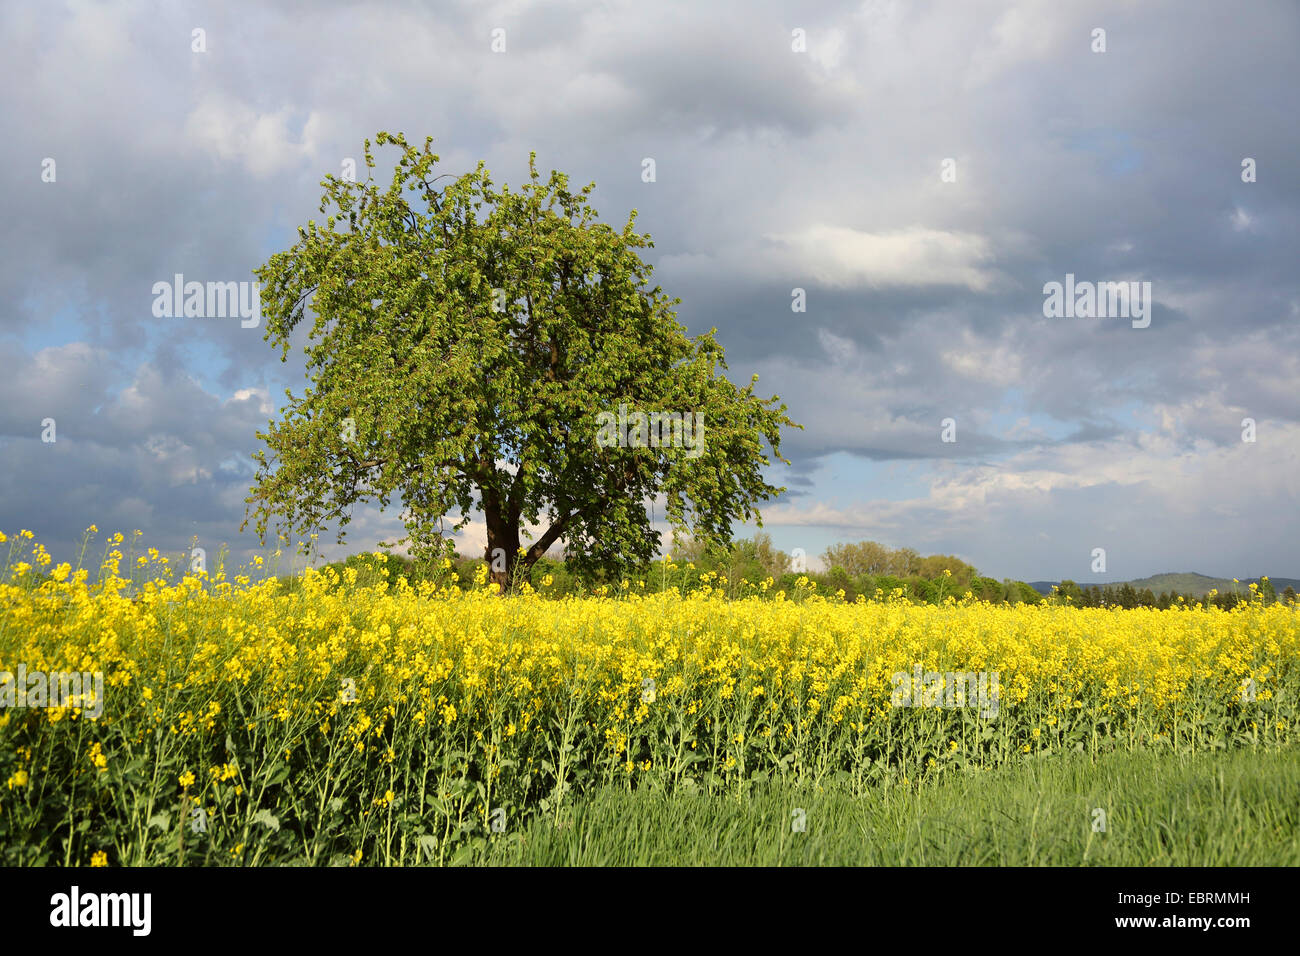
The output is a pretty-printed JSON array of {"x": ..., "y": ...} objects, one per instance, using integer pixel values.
[{"x": 1235, "y": 808}]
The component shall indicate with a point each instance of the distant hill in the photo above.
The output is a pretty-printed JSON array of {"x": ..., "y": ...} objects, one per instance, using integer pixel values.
[{"x": 1185, "y": 582}]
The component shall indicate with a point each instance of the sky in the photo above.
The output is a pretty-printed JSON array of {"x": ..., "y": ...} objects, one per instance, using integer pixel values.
[{"x": 922, "y": 171}]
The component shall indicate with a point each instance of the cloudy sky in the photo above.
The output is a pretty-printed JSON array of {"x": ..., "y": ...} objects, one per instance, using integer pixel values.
[{"x": 920, "y": 170}]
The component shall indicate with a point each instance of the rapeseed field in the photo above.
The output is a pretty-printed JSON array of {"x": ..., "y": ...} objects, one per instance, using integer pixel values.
[{"x": 337, "y": 722}]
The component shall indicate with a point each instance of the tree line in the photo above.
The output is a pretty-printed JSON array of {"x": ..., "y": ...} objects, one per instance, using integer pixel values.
[
  {"x": 740, "y": 568},
  {"x": 1127, "y": 596},
  {"x": 754, "y": 566}
]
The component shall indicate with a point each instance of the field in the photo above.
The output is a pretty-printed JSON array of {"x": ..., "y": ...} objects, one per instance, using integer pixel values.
[
  {"x": 336, "y": 722},
  {"x": 1241, "y": 808}
]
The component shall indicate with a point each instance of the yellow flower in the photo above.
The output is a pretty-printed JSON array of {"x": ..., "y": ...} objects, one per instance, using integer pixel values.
[
  {"x": 807, "y": 666},
  {"x": 99, "y": 859}
]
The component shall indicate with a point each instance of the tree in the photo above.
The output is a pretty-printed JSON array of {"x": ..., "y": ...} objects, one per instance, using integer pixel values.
[
  {"x": 1069, "y": 589},
  {"x": 1028, "y": 595},
  {"x": 932, "y": 569},
  {"x": 871, "y": 557},
  {"x": 903, "y": 562},
  {"x": 688, "y": 549},
  {"x": 865, "y": 557},
  {"x": 761, "y": 552},
  {"x": 473, "y": 349}
]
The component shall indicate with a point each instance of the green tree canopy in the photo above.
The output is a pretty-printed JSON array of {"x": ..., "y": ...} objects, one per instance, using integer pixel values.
[
  {"x": 872, "y": 557},
  {"x": 469, "y": 345}
]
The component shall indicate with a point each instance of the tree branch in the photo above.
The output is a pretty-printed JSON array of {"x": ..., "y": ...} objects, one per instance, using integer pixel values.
[{"x": 552, "y": 535}]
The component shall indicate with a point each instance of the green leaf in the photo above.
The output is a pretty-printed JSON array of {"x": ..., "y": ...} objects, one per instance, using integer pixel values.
[
  {"x": 464, "y": 856},
  {"x": 267, "y": 819}
]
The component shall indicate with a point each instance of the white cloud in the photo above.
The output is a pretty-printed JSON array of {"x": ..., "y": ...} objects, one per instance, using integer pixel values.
[
  {"x": 826, "y": 47},
  {"x": 262, "y": 142},
  {"x": 844, "y": 257},
  {"x": 260, "y": 395},
  {"x": 1025, "y": 33}
]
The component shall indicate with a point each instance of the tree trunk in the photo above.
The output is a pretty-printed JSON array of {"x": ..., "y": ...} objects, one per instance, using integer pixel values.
[
  {"x": 502, "y": 541},
  {"x": 502, "y": 554}
]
